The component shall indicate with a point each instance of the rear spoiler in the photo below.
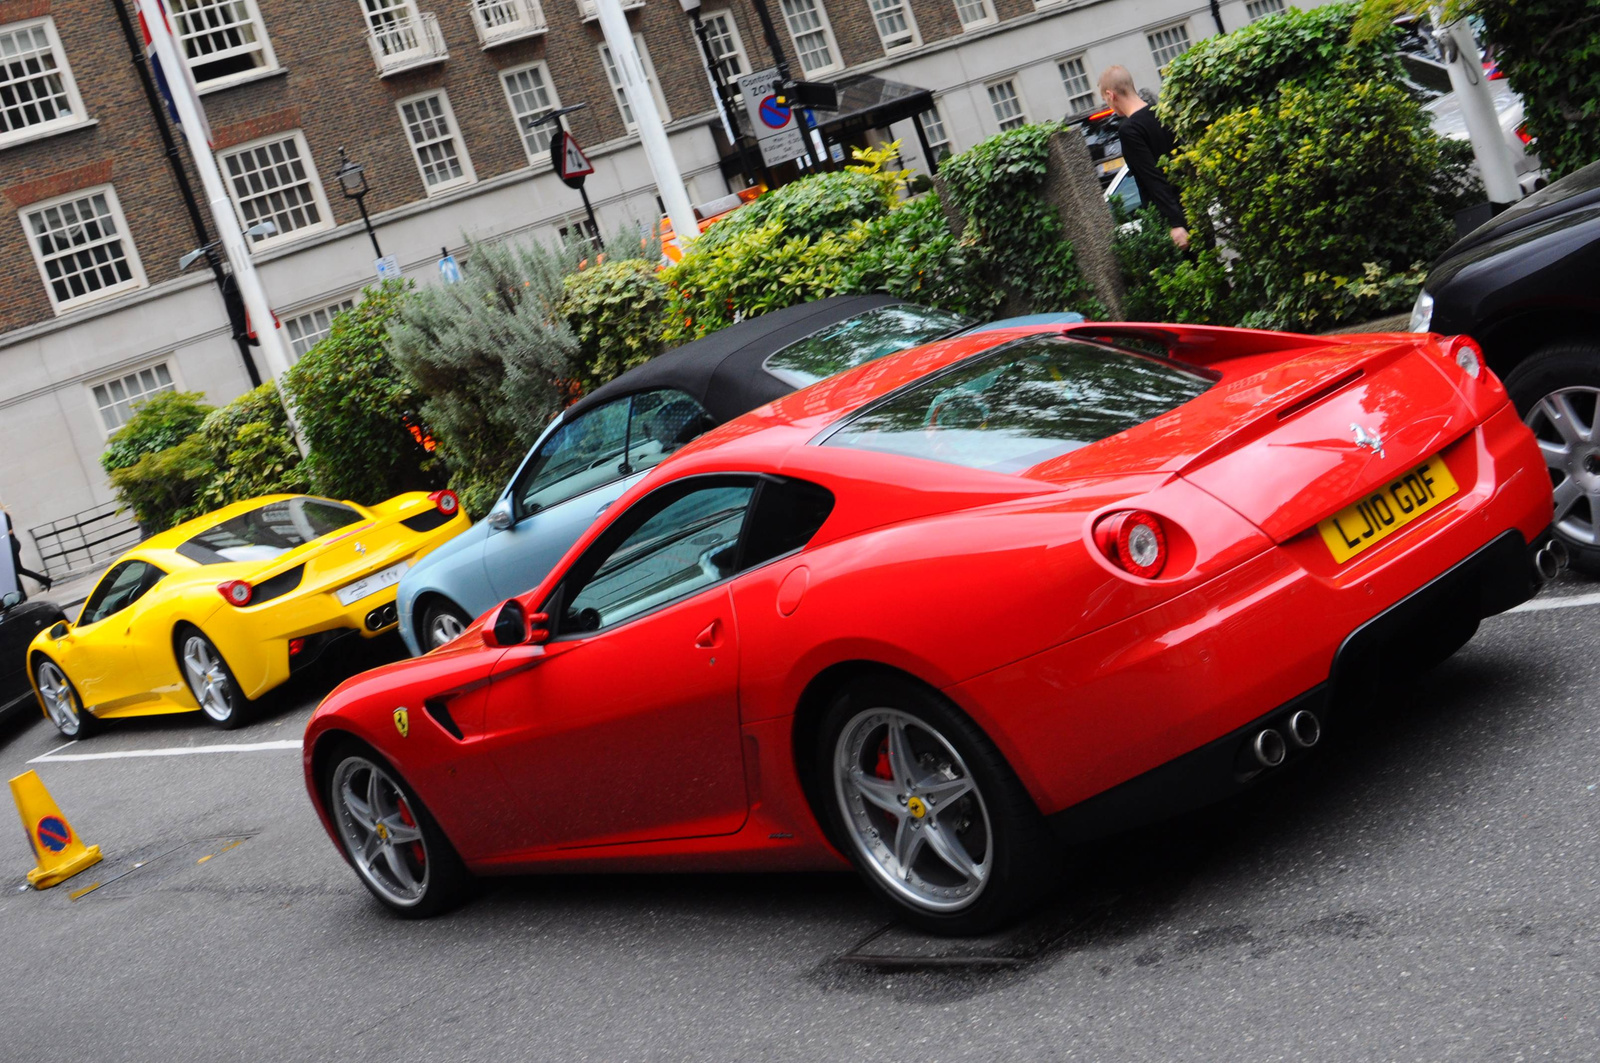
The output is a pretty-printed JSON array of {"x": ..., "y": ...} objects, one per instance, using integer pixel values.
[{"x": 1198, "y": 344}]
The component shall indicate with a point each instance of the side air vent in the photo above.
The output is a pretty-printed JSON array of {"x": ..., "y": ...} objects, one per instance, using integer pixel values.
[
  {"x": 1321, "y": 393},
  {"x": 439, "y": 710},
  {"x": 426, "y": 522},
  {"x": 278, "y": 585}
]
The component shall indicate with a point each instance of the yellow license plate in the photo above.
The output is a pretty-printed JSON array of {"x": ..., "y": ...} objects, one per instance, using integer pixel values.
[{"x": 1388, "y": 509}]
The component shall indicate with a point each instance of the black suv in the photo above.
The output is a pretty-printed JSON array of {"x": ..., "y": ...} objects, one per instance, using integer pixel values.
[{"x": 1526, "y": 286}]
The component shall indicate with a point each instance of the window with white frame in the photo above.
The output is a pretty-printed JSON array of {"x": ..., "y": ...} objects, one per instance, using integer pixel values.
[
  {"x": 80, "y": 244},
  {"x": 614, "y": 76},
  {"x": 222, "y": 39},
  {"x": 1169, "y": 43},
  {"x": 579, "y": 231},
  {"x": 973, "y": 13},
  {"x": 1259, "y": 9},
  {"x": 273, "y": 180},
  {"x": 436, "y": 142},
  {"x": 722, "y": 34},
  {"x": 116, "y": 399},
  {"x": 532, "y": 96},
  {"x": 896, "y": 26},
  {"x": 307, "y": 330},
  {"x": 1007, "y": 105},
  {"x": 1075, "y": 79},
  {"x": 933, "y": 129},
  {"x": 37, "y": 93},
  {"x": 813, "y": 37}
]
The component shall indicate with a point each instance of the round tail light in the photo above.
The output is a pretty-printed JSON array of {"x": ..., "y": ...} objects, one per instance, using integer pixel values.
[
  {"x": 236, "y": 592},
  {"x": 1465, "y": 352},
  {"x": 1136, "y": 541},
  {"x": 446, "y": 501}
]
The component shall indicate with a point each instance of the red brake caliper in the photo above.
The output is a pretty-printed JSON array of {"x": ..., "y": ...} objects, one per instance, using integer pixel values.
[{"x": 417, "y": 850}]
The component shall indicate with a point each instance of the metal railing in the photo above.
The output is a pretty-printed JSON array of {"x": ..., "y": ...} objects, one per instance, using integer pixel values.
[
  {"x": 502, "y": 21},
  {"x": 405, "y": 42},
  {"x": 85, "y": 540},
  {"x": 586, "y": 8}
]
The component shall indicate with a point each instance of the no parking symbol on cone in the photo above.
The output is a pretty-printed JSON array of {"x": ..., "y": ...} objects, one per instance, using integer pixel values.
[{"x": 59, "y": 850}]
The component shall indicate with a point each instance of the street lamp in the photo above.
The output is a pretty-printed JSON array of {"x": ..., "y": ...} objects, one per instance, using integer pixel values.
[
  {"x": 260, "y": 228},
  {"x": 353, "y": 179},
  {"x": 720, "y": 88}
]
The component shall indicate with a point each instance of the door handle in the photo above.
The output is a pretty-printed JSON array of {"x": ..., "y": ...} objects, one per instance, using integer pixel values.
[{"x": 711, "y": 637}]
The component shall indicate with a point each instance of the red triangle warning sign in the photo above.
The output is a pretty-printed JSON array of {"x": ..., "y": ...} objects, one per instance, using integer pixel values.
[{"x": 573, "y": 162}]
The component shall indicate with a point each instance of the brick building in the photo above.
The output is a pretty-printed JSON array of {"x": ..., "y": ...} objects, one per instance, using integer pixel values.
[{"x": 435, "y": 99}]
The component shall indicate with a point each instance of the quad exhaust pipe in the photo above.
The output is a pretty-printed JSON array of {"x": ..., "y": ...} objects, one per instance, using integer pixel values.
[
  {"x": 1550, "y": 559},
  {"x": 1270, "y": 746}
]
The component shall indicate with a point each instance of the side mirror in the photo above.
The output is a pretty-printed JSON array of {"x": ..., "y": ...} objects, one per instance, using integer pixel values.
[
  {"x": 59, "y": 631},
  {"x": 10, "y": 599},
  {"x": 511, "y": 625},
  {"x": 500, "y": 515}
]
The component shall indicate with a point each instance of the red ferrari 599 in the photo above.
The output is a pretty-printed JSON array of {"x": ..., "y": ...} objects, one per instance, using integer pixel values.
[{"x": 940, "y": 614}]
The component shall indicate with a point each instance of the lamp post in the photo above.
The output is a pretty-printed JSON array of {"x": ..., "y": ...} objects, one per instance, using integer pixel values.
[
  {"x": 720, "y": 87},
  {"x": 353, "y": 179}
]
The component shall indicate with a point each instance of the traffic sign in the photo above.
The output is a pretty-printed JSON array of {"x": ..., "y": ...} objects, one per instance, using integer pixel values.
[
  {"x": 449, "y": 269},
  {"x": 777, "y": 131},
  {"x": 388, "y": 268},
  {"x": 569, "y": 160}
]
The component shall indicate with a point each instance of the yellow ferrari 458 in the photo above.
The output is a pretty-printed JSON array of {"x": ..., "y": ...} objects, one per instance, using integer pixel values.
[{"x": 216, "y": 612}]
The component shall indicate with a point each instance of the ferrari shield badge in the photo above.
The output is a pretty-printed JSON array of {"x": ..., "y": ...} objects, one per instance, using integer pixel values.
[{"x": 402, "y": 721}]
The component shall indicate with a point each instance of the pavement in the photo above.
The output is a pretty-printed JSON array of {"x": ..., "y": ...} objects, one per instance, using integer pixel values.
[{"x": 1424, "y": 888}]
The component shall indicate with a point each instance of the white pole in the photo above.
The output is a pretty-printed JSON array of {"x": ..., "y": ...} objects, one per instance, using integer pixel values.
[
  {"x": 228, "y": 232},
  {"x": 1477, "y": 107},
  {"x": 652, "y": 133}
]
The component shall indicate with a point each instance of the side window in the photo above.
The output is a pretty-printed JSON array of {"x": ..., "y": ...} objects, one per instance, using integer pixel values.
[
  {"x": 659, "y": 423},
  {"x": 118, "y": 589},
  {"x": 672, "y": 543},
  {"x": 578, "y": 457},
  {"x": 787, "y": 514}
]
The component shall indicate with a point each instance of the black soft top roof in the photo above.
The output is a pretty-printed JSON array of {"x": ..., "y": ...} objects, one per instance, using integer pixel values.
[{"x": 722, "y": 371}]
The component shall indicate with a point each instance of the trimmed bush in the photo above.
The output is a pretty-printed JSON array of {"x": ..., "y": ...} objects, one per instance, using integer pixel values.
[
  {"x": 161, "y": 421},
  {"x": 357, "y": 409},
  {"x": 617, "y": 310},
  {"x": 911, "y": 253},
  {"x": 163, "y": 488},
  {"x": 251, "y": 449}
]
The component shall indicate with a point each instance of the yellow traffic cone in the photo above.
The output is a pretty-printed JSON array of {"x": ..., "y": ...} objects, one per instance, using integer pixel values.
[{"x": 61, "y": 852}]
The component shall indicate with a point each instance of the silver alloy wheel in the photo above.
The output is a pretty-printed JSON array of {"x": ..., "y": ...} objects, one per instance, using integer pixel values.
[
  {"x": 924, "y": 830},
  {"x": 59, "y": 701},
  {"x": 380, "y": 832},
  {"x": 208, "y": 680},
  {"x": 443, "y": 626},
  {"x": 1565, "y": 422}
]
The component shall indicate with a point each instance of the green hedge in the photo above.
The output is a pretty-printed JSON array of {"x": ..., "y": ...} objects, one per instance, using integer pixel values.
[
  {"x": 161, "y": 421},
  {"x": 618, "y": 311}
]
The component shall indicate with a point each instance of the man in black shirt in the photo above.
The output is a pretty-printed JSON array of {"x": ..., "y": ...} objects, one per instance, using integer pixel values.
[{"x": 1145, "y": 141}]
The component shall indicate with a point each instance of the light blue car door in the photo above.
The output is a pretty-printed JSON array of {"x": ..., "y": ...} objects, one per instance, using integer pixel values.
[{"x": 579, "y": 470}]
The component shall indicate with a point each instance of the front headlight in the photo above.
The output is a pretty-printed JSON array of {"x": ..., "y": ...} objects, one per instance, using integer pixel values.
[{"x": 1421, "y": 313}]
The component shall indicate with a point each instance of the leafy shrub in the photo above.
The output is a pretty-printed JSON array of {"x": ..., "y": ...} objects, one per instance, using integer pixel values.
[
  {"x": 1014, "y": 238},
  {"x": 164, "y": 487},
  {"x": 159, "y": 422},
  {"x": 1313, "y": 186},
  {"x": 251, "y": 449},
  {"x": 617, "y": 310},
  {"x": 356, "y": 408},
  {"x": 493, "y": 357},
  {"x": 1164, "y": 284},
  {"x": 911, "y": 253},
  {"x": 1243, "y": 69}
]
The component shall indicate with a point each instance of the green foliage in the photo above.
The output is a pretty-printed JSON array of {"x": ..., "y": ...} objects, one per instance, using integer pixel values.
[
  {"x": 1013, "y": 236},
  {"x": 1315, "y": 185},
  {"x": 1164, "y": 284},
  {"x": 1550, "y": 52},
  {"x": 494, "y": 358},
  {"x": 355, "y": 407},
  {"x": 1323, "y": 301},
  {"x": 617, "y": 310},
  {"x": 251, "y": 449},
  {"x": 1244, "y": 68},
  {"x": 159, "y": 422},
  {"x": 911, "y": 253},
  {"x": 164, "y": 487}
]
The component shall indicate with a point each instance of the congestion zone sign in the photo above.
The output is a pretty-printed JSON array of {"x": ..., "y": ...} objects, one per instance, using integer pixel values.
[{"x": 774, "y": 115}]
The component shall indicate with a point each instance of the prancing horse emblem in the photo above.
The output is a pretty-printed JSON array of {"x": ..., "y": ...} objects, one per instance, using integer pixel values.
[
  {"x": 1368, "y": 439},
  {"x": 362, "y": 549},
  {"x": 402, "y": 721}
]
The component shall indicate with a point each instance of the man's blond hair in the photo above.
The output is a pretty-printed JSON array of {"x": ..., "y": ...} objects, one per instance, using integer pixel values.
[{"x": 1117, "y": 79}]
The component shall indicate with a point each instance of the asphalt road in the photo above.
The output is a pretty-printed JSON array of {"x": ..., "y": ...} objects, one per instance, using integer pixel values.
[{"x": 1423, "y": 889}]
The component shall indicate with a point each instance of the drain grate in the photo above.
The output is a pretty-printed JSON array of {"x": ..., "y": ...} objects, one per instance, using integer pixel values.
[{"x": 155, "y": 865}]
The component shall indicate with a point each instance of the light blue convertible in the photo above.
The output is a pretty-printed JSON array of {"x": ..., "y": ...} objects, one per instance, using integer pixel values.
[{"x": 602, "y": 444}]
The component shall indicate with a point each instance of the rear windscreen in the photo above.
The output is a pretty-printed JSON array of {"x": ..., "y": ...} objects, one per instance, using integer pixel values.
[
  {"x": 1021, "y": 405},
  {"x": 861, "y": 339},
  {"x": 264, "y": 533}
]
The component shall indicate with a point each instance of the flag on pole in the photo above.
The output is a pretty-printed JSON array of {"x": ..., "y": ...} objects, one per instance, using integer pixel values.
[{"x": 154, "y": 11}]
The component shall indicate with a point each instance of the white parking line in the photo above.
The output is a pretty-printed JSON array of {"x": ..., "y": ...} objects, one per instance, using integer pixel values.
[
  {"x": 176, "y": 751},
  {"x": 1569, "y": 602}
]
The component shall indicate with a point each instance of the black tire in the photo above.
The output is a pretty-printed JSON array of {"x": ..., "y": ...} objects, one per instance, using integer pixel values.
[
  {"x": 229, "y": 708},
  {"x": 1021, "y": 855},
  {"x": 1572, "y": 367},
  {"x": 83, "y": 722},
  {"x": 436, "y": 616},
  {"x": 447, "y": 882}
]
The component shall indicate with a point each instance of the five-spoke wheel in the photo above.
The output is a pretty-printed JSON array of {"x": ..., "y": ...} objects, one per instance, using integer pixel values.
[
  {"x": 61, "y": 702},
  {"x": 210, "y": 680}
]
